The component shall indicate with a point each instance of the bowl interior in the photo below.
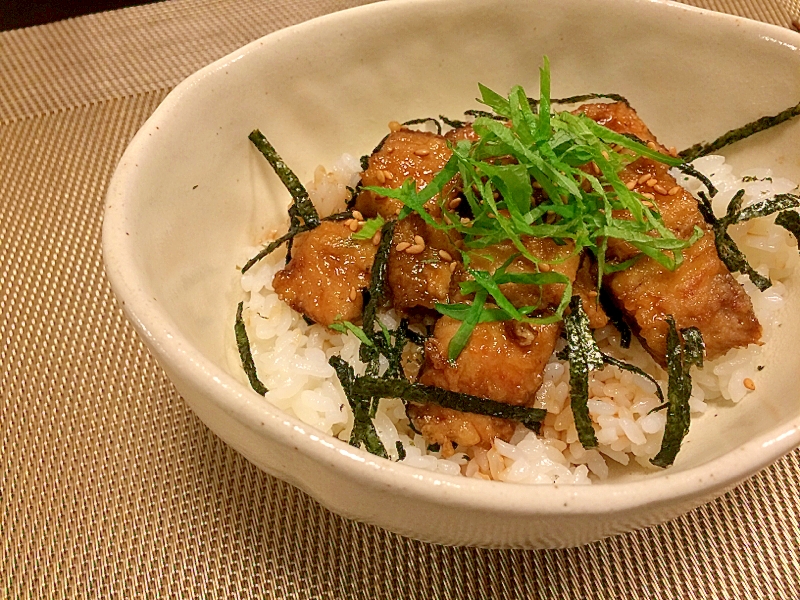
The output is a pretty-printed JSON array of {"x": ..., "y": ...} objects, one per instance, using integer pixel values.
[{"x": 196, "y": 193}]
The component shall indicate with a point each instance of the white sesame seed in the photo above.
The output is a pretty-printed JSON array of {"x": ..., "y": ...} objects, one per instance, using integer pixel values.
[{"x": 749, "y": 384}]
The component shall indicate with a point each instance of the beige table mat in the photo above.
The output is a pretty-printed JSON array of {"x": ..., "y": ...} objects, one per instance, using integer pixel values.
[{"x": 111, "y": 487}]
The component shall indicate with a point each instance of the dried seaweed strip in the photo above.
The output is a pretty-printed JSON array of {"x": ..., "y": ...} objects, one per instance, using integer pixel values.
[
  {"x": 305, "y": 208},
  {"x": 581, "y": 98},
  {"x": 245, "y": 354},
  {"x": 790, "y": 221},
  {"x": 375, "y": 387},
  {"x": 422, "y": 120},
  {"x": 377, "y": 296},
  {"x": 739, "y": 133},
  {"x": 779, "y": 203},
  {"x": 364, "y": 431},
  {"x": 680, "y": 360},
  {"x": 727, "y": 249},
  {"x": 584, "y": 356}
]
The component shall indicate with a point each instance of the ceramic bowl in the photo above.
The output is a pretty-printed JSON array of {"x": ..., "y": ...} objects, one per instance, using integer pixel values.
[{"x": 190, "y": 193}]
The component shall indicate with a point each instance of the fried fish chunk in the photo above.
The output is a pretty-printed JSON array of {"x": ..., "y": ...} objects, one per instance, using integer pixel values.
[
  {"x": 327, "y": 273},
  {"x": 701, "y": 292}
]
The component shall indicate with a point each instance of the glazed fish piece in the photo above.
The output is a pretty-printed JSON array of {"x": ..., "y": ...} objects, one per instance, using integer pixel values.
[
  {"x": 502, "y": 361},
  {"x": 421, "y": 264},
  {"x": 404, "y": 154},
  {"x": 327, "y": 273},
  {"x": 701, "y": 292}
]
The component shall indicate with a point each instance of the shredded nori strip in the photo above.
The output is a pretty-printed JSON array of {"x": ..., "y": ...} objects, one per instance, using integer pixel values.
[
  {"x": 378, "y": 387},
  {"x": 483, "y": 113},
  {"x": 363, "y": 429},
  {"x": 616, "y": 317},
  {"x": 304, "y": 206},
  {"x": 790, "y": 221},
  {"x": 426, "y": 120},
  {"x": 727, "y": 249},
  {"x": 243, "y": 342},
  {"x": 680, "y": 360},
  {"x": 584, "y": 356},
  {"x": 692, "y": 172},
  {"x": 377, "y": 296},
  {"x": 401, "y": 452},
  {"x": 454, "y": 123},
  {"x": 581, "y": 98},
  {"x": 295, "y": 228},
  {"x": 739, "y": 133}
]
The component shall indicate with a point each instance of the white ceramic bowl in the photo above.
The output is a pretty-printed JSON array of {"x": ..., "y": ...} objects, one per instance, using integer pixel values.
[{"x": 190, "y": 193}]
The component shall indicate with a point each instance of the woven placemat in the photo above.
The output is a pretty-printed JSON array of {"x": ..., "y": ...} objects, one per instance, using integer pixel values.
[{"x": 111, "y": 487}]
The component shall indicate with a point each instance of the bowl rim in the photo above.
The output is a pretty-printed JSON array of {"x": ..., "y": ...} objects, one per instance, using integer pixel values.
[{"x": 172, "y": 348}]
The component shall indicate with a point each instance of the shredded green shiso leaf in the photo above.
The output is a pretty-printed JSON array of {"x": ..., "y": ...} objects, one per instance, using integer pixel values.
[{"x": 554, "y": 150}]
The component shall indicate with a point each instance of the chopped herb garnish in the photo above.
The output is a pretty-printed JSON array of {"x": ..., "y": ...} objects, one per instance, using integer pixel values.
[
  {"x": 575, "y": 206},
  {"x": 584, "y": 356},
  {"x": 370, "y": 228},
  {"x": 345, "y": 326},
  {"x": 245, "y": 354},
  {"x": 740, "y": 133},
  {"x": 680, "y": 360}
]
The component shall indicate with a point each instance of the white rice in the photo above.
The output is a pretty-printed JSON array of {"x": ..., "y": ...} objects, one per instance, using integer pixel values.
[{"x": 291, "y": 358}]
